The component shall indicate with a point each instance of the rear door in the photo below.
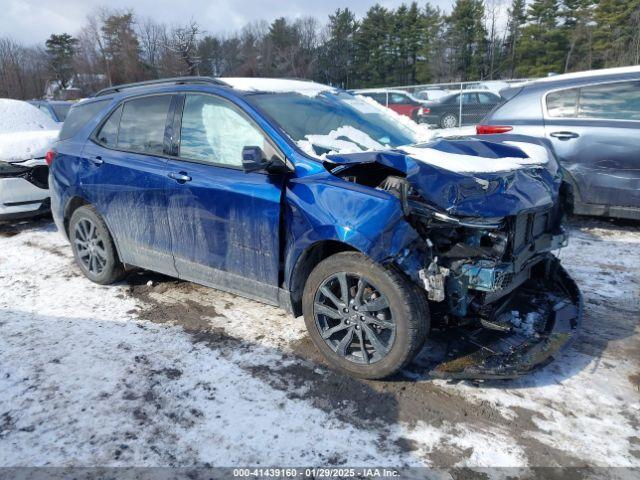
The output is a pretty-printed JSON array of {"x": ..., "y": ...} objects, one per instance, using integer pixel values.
[
  {"x": 595, "y": 131},
  {"x": 124, "y": 177},
  {"x": 225, "y": 223}
]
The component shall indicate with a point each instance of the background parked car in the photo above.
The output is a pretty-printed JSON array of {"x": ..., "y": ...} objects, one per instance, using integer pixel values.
[
  {"x": 429, "y": 94},
  {"x": 445, "y": 112},
  {"x": 592, "y": 120},
  {"x": 397, "y": 100},
  {"x": 26, "y": 134},
  {"x": 56, "y": 109}
]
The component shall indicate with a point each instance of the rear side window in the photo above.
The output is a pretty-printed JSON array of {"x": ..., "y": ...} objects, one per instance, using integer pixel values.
[
  {"x": 142, "y": 124},
  {"x": 108, "y": 134},
  {"x": 79, "y": 115},
  {"x": 563, "y": 103},
  {"x": 616, "y": 101}
]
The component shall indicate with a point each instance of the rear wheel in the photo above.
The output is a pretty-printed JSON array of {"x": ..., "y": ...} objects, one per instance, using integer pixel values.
[
  {"x": 93, "y": 246},
  {"x": 366, "y": 319},
  {"x": 449, "y": 120}
]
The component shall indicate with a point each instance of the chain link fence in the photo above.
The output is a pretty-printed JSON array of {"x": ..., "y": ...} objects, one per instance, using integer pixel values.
[{"x": 443, "y": 105}]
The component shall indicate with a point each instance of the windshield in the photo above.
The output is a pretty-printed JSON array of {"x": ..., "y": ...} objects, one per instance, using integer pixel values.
[
  {"x": 61, "y": 109},
  {"x": 334, "y": 122}
]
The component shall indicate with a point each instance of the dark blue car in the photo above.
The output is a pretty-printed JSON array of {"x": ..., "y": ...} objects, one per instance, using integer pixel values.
[{"x": 299, "y": 195}]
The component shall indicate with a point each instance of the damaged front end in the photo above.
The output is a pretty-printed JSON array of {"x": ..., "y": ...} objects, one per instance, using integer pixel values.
[{"x": 499, "y": 299}]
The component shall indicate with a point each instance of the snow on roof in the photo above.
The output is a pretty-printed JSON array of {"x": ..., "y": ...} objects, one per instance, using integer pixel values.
[
  {"x": 589, "y": 73},
  {"x": 459, "y": 163},
  {"x": 276, "y": 85},
  {"x": 25, "y": 131},
  {"x": 19, "y": 116}
]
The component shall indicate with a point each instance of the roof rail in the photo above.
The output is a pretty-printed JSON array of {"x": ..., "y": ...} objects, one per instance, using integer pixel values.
[{"x": 161, "y": 81}]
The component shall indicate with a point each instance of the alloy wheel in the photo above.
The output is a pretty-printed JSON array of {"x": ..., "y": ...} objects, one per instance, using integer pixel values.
[
  {"x": 354, "y": 318},
  {"x": 90, "y": 246}
]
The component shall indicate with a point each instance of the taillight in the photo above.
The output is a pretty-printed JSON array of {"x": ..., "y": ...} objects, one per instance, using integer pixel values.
[
  {"x": 49, "y": 157},
  {"x": 426, "y": 110},
  {"x": 491, "y": 129}
]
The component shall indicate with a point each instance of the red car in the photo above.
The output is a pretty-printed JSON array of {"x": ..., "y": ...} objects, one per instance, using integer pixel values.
[{"x": 397, "y": 100}]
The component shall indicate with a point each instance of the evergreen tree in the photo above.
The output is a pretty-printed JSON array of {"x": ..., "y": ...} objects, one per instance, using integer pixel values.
[
  {"x": 431, "y": 63},
  {"x": 60, "y": 50},
  {"x": 517, "y": 17},
  {"x": 543, "y": 45},
  {"x": 467, "y": 39},
  {"x": 617, "y": 35},
  {"x": 121, "y": 48},
  {"x": 373, "y": 55},
  {"x": 336, "y": 64}
]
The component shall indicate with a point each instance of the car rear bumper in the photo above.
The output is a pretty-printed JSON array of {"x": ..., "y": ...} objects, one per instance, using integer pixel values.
[
  {"x": 20, "y": 198},
  {"x": 482, "y": 353}
]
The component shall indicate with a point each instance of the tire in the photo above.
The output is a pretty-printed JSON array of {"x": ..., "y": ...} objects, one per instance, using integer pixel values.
[
  {"x": 93, "y": 247},
  {"x": 400, "y": 328},
  {"x": 449, "y": 120}
]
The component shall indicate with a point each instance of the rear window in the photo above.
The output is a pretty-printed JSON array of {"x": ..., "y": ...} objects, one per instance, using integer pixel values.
[
  {"x": 616, "y": 101},
  {"x": 563, "y": 103},
  {"x": 142, "y": 124},
  {"x": 62, "y": 110},
  {"x": 79, "y": 115}
]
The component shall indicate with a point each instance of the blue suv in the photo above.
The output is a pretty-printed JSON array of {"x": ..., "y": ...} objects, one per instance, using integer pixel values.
[{"x": 303, "y": 196}]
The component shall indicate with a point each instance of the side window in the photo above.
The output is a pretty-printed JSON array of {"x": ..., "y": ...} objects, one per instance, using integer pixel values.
[
  {"x": 215, "y": 131},
  {"x": 469, "y": 99},
  {"x": 563, "y": 103},
  {"x": 142, "y": 124},
  {"x": 619, "y": 101},
  {"x": 108, "y": 134},
  {"x": 398, "y": 99},
  {"x": 487, "y": 99}
]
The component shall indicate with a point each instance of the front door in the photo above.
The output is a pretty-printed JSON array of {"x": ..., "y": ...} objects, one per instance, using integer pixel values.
[
  {"x": 595, "y": 132},
  {"x": 225, "y": 223}
]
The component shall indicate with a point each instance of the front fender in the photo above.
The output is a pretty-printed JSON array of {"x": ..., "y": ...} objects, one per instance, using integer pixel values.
[{"x": 331, "y": 209}]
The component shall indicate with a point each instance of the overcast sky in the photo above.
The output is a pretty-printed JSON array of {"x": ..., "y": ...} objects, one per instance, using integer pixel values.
[{"x": 32, "y": 21}]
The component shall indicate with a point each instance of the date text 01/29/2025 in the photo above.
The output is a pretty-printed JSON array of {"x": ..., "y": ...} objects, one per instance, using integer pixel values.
[{"x": 315, "y": 472}]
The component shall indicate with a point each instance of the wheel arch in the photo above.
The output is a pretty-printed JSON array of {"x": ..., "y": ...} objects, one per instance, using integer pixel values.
[{"x": 306, "y": 262}]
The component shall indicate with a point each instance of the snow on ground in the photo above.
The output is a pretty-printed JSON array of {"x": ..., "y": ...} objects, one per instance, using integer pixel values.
[{"x": 155, "y": 371}]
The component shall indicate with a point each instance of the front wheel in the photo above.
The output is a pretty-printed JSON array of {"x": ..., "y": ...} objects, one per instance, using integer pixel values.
[
  {"x": 449, "y": 120},
  {"x": 366, "y": 319}
]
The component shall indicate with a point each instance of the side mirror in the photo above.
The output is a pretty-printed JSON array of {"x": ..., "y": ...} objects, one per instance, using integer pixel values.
[{"x": 254, "y": 159}]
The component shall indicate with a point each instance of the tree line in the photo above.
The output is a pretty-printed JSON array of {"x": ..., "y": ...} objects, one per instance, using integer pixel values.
[{"x": 412, "y": 44}]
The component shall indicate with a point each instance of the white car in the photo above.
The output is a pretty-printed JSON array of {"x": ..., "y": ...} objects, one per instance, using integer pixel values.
[{"x": 26, "y": 134}]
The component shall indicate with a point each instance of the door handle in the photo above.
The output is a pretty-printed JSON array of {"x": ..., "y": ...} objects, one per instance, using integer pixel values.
[
  {"x": 97, "y": 160},
  {"x": 180, "y": 177},
  {"x": 564, "y": 135}
]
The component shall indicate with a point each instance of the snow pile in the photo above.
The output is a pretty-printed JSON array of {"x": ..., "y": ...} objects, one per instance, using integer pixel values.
[
  {"x": 25, "y": 132},
  {"x": 16, "y": 147},
  {"x": 275, "y": 85},
  {"x": 460, "y": 163},
  {"x": 345, "y": 139},
  {"x": 19, "y": 116}
]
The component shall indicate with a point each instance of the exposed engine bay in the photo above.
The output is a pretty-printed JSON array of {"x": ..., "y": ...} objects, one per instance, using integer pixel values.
[{"x": 491, "y": 280}]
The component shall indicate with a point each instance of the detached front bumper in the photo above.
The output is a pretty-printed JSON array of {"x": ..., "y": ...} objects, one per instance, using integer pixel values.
[{"x": 553, "y": 302}]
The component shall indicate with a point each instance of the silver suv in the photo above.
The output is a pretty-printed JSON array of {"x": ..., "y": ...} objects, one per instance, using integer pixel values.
[{"x": 593, "y": 122}]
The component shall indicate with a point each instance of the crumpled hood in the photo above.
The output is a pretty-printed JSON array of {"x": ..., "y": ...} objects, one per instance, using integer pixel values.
[{"x": 474, "y": 177}]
